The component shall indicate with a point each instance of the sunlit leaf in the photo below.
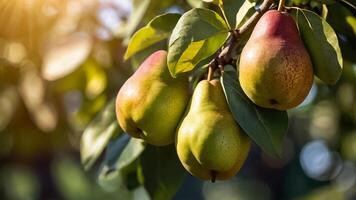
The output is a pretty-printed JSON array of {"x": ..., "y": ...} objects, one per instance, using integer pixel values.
[
  {"x": 198, "y": 34},
  {"x": 195, "y": 3},
  {"x": 98, "y": 134},
  {"x": 156, "y": 30},
  {"x": 96, "y": 79},
  {"x": 245, "y": 11},
  {"x": 267, "y": 127},
  {"x": 217, "y": 2},
  {"x": 65, "y": 55},
  {"x": 321, "y": 41},
  {"x": 138, "y": 11}
]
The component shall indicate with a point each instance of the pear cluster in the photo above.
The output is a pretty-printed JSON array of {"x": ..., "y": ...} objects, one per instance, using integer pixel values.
[
  {"x": 155, "y": 107},
  {"x": 275, "y": 72}
]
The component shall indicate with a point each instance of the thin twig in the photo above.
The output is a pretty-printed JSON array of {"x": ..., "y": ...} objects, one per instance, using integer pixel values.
[
  {"x": 225, "y": 57},
  {"x": 281, "y": 5}
]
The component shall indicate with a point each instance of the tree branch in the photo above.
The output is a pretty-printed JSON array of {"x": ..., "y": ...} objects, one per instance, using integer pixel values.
[{"x": 225, "y": 56}]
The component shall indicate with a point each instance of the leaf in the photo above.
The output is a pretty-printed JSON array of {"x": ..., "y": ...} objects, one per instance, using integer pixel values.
[
  {"x": 65, "y": 55},
  {"x": 156, "y": 30},
  {"x": 266, "y": 127},
  {"x": 342, "y": 20},
  {"x": 321, "y": 41},
  {"x": 137, "y": 59},
  {"x": 198, "y": 34},
  {"x": 97, "y": 135},
  {"x": 195, "y": 3},
  {"x": 246, "y": 10},
  {"x": 230, "y": 8},
  {"x": 96, "y": 79},
  {"x": 9, "y": 100},
  {"x": 119, "y": 161},
  {"x": 138, "y": 11},
  {"x": 163, "y": 173},
  {"x": 216, "y": 2}
]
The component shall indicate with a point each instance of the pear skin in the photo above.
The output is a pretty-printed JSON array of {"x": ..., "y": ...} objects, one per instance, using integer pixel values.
[
  {"x": 275, "y": 70},
  {"x": 151, "y": 103},
  {"x": 210, "y": 144}
]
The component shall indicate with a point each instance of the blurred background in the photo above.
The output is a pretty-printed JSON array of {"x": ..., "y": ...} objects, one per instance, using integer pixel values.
[{"x": 61, "y": 62}]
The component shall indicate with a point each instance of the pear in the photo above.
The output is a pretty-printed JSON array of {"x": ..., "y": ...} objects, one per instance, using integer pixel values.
[
  {"x": 275, "y": 70},
  {"x": 151, "y": 103},
  {"x": 209, "y": 143}
]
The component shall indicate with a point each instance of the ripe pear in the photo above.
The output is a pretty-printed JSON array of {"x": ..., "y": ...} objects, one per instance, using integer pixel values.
[
  {"x": 151, "y": 103},
  {"x": 210, "y": 144},
  {"x": 275, "y": 69}
]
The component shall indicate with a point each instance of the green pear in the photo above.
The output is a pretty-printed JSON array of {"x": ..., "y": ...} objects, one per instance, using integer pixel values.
[
  {"x": 209, "y": 142},
  {"x": 151, "y": 103},
  {"x": 275, "y": 70}
]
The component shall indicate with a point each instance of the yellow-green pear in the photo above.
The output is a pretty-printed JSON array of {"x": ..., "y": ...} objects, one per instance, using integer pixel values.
[
  {"x": 275, "y": 69},
  {"x": 210, "y": 144},
  {"x": 151, "y": 103}
]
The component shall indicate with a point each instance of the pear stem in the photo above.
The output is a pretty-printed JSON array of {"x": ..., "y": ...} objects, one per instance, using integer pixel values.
[
  {"x": 210, "y": 73},
  {"x": 281, "y": 5}
]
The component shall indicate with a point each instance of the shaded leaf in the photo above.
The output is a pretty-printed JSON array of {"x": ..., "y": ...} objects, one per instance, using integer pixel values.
[
  {"x": 321, "y": 41},
  {"x": 198, "y": 34},
  {"x": 266, "y": 127},
  {"x": 163, "y": 173},
  {"x": 97, "y": 135},
  {"x": 156, "y": 30},
  {"x": 230, "y": 8},
  {"x": 119, "y": 161}
]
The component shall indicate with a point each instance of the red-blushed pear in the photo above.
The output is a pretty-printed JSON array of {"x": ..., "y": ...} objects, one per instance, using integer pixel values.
[
  {"x": 210, "y": 144},
  {"x": 275, "y": 70},
  {"x": 151, "y": 103}
]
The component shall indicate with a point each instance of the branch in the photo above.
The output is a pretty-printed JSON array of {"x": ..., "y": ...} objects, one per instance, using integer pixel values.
[{"x": 225, "y": 57}]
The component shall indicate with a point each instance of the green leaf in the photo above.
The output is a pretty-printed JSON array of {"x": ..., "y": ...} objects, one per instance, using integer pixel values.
[
  {"x": 342, "y": 20},
  {"x": 97, "y": 135},
  {"x": 321, "y": 41},
  {"x": 266, "y": 127},
  {"x": 139, "y": 9},
  {"x": 198, "y": 34},
  {"x": 195, "y": 3},
  {"x": 163, "y": 173},
  {"x": 156, "y": 30},
  {"x": 246, "y": 10},
  {"x": 137, "y": 59},
  {"x": 119, "y": 161},
  {"x": 216, "y": 2}
]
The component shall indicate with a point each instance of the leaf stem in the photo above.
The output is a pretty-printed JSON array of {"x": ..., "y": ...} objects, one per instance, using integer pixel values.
[
  {"x": 224, "y": 15},
  {"x": 281, "y": 5}
]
